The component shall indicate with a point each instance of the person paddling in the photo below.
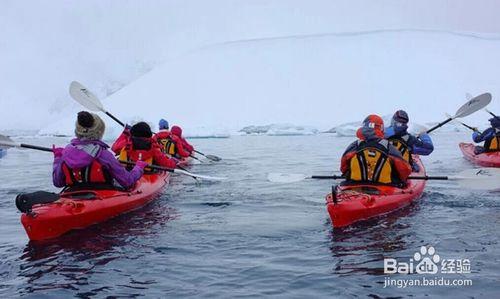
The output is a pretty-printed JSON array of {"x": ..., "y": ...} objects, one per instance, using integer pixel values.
[
  {"x": 137, "y": 144},
  {"x": 490, "y": 136},
  {"x": 177, "y": 131},
  {"x": 405, "y": 142},
  {"x": 87, "y": 160},
  {"x": 172, "y": 143},
  {"x": 372, "y": 159}
]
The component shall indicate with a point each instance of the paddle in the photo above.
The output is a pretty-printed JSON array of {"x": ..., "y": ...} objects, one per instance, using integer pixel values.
[
  {"x": 491, "y": 113},
  {"x": 6, "y": 142},
  {"x": 465, "y": 125},
  {"x": 88, "y": 100},
  {"x": 468, "y": 108},
  {"x": 209, "y": 157},
  {"x": 476, "y": 179}
]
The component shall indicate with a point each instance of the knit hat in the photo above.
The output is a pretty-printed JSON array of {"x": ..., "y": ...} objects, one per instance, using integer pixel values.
[
  {"x": 401, "y": 117},
  {"x": 141, "y": 129},
  {"x": 89, "y": 126},
  {"x": 163, "y": 124},
  {"x": 495, "y": 122},
  {"x": 373, "y": 126}
]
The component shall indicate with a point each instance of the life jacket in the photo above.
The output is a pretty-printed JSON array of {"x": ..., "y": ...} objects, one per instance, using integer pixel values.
[
  {"x": 89, "y": 175},
  {"x": 493, "y": 144},
  {"x": 372, "y": 164},
  {"x": 129, "y": 154},
  {"x": 168, "y": 145},
  {"x": 401, "y": 143}
]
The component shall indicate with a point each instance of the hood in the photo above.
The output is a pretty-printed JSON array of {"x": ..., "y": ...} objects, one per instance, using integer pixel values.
[
  {"x": 176, "y": 130},
  {"x": 80, "y": 153}
]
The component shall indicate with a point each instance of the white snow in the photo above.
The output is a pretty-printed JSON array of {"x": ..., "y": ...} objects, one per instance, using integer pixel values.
[{"x": 221, "y": 65}]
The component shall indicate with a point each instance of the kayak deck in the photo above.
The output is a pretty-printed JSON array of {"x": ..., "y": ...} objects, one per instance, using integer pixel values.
[
  {"x": 80, "y": 209},
  {"x": 361, "y": 202},
  {"x": 485, "y": 159}
]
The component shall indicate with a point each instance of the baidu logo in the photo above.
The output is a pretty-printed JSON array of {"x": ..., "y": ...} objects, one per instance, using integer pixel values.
[{"x": 426, "y": 261}]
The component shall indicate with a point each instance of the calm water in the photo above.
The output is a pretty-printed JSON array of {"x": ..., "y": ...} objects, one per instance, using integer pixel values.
[{"x": 247, "y": 237}]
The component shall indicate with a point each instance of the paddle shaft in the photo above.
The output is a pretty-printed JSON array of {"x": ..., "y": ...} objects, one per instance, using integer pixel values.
[
  {"x": 35, "y": 147},
  {"x": 439, "y": 125},
  {"x": 339, "y": 177},
  {"x": 48, "y": 149},
  {"x": 114, "y": 118}
]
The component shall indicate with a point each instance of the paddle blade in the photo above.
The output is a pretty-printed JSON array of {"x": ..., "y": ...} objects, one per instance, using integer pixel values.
[
  {"x": 86, "y": 98},
  {"x": 213, "y": 158},
  {"x": 479, "y": 179},
  {"x": 286, "y": 177},
  {"x": 199, "y": 176},
  {"x": 473, "y": 105},
  {"x": 6, "y": 142}
]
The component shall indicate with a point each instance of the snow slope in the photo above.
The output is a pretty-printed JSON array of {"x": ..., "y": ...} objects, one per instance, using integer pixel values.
[{"x": 319, "y": 80}]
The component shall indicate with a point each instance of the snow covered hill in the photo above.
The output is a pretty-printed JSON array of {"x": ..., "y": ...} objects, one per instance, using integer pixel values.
[{"x": 320, "y": 80}]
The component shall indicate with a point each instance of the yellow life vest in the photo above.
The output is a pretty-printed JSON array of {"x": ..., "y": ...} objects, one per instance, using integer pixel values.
[
  {"x": 493, "y": 144},
  {"x": 401, "y": 143},
  {"x": 371, "y": 163},
  {"x": 168, "y": 146},
  {"x": 138, "y": 155}
]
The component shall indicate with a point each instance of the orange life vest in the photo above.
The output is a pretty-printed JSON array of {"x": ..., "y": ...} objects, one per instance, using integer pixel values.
[{"x": 493, "y": 144}]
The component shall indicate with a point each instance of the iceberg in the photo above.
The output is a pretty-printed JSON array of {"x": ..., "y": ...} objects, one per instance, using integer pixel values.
[{"x": 279, "y": 130}]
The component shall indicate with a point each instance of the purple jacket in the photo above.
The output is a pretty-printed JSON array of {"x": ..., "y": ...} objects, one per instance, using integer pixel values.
[{"x": 81, "y": 153}]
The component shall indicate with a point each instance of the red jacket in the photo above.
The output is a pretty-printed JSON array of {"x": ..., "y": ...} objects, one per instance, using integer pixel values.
[
  {"x": 177, "y": 131},
  {"x": 181, "y": 150},
  {"x": 124, "y": 141},
  {"x": 187, "y": 146}
]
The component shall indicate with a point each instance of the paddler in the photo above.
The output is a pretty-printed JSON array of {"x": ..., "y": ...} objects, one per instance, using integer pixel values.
[
  {"x": 372, "y": 159},
  {"x": 490, "y": 136},
  {"x": 87, "y": 160},
  {"x": 172, "y": 143},
  {"x": 405, "y": 142},
  {"x": 137, "y": 144}
]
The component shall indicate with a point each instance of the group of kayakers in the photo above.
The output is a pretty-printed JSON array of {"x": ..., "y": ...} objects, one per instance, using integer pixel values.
[
  {"x": 384, "y": 156},
  {"x": 87, "y": 160}
]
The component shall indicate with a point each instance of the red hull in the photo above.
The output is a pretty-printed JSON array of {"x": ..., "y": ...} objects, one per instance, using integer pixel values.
[
  {"x": 52, "y": 220},
  {"x": 355, "y": 203},
  {"x": 485, "y": 159}
]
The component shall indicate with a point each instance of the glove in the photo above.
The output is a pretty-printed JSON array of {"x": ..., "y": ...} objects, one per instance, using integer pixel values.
[
  {"x": 57, "y": 151},
  {"x": 141, "y": 164},
  {"x": 126, "y": 131}
]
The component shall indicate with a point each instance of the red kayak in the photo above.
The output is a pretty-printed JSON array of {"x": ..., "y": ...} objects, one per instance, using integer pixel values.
[
  {"x": 361, "y": 202},
  {"x": 485, "y": 159},
  {"x": 82, "y": 208}
]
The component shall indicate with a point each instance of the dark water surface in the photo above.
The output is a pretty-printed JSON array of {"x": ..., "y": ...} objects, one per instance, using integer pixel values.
[{"x": 247, "y": 237}]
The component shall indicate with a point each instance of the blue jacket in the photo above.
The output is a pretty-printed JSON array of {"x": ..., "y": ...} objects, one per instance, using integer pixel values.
[
  {"x": 421, "y": 145},
  {"x": 486, "y": 135}
]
